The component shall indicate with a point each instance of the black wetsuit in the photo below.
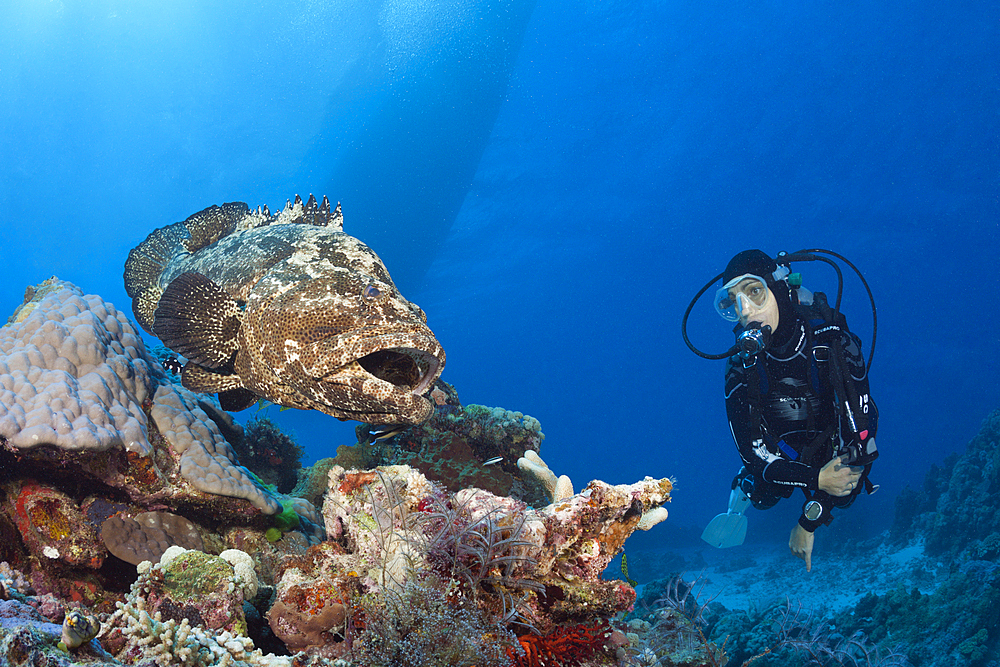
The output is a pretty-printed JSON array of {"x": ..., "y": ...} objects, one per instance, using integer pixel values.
[{"x": 797, "y": 409}]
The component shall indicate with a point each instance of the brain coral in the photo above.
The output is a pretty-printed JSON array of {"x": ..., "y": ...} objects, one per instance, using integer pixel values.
[{"x": 75, "y": 375}]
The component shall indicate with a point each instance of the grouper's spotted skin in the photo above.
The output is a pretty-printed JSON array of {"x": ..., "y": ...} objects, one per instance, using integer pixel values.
[{"x": 288, "y": 308}]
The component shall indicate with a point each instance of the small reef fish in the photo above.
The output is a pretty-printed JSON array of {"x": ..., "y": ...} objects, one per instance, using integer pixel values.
[
  {"x": 287, "y": 308},
  {"x": 387, "y": 431},
  {"x": 172, "y": 365},
  {"x": 492, "y": 461}
]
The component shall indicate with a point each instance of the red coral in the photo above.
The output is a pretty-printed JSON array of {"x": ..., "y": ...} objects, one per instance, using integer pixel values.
[{"x": 562, "y": 647}]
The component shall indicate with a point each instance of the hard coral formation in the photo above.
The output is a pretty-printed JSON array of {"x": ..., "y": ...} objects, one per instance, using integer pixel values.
[
  {"x": 207, "y": 461},
  {"x": 403, "y": 538},
  {"x": 139, "y": 637},
  {"x": 76, "y": 379},
  {"x": 90, "y": 428},
  {"x": 539, "y": 474},
  {"x": 453, "y": 446},
  {"x": 146, "y": 536},
  {"x": 73, "y": 374}
]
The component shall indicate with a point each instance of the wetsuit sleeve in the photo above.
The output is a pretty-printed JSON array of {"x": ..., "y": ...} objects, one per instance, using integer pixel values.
[{"x": 757, "y": 456}]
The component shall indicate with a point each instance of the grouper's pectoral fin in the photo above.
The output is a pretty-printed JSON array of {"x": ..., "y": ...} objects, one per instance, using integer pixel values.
[
  {"x": 198, "y": 319},
  {"x": 235, "y": 400},
  {"x": 233, "y": 396}
]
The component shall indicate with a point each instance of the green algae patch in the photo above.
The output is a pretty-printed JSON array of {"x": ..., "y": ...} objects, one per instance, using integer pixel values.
[{"x": 195, "y": 574}]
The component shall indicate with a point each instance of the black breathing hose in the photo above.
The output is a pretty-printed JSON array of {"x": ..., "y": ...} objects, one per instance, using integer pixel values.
[{"x": 784, "y": 259}]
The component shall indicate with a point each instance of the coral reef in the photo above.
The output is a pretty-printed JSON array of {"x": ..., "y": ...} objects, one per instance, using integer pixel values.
[
  {"x": 118, "y": 486},
  {"x": 453, "y": 448},
  {"x": 955, "y": 510},
  {"x": 79, "y": 390},
  {"x": 269, "y": 453},
  {"x": 955, "y": 515},
  {"x": 403, "y": 539},
  {"x": 99, "y": 447},
  {"x": 677, "y": 627},
  {"x": 69, "y": 374}
]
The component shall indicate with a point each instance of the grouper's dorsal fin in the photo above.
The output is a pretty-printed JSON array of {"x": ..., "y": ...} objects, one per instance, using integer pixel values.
[
  {"x": 199, "y": 320},
  {"x": 147, "y": 260},
  {"x": 145, "y": 264},
  {"x": 311, "y": 213},
  {"x": 209, "y": 225}
]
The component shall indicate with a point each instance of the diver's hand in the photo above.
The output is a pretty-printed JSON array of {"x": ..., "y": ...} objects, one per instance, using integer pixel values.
[
  {"x": 838, "y": 479},
  {"x": 801, "y": 544}
]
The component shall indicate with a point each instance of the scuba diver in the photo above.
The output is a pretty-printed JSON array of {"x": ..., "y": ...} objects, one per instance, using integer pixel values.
[{"x": 796, "y": 394}]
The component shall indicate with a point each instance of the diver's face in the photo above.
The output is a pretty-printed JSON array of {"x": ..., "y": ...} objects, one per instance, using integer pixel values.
[{"x": 755, "y": 303}]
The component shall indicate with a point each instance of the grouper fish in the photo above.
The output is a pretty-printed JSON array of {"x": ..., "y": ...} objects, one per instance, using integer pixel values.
[{"x": 288, "y": 308}]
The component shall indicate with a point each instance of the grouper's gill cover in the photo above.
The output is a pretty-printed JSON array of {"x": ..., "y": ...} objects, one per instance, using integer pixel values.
[{"x": 285, "y": 307}]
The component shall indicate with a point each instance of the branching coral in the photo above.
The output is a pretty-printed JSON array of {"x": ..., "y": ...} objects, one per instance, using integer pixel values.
[{"x": 177, "y": 644}]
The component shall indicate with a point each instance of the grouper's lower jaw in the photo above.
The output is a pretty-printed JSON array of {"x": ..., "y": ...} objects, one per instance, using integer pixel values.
[{"x": 354, "y": 393}]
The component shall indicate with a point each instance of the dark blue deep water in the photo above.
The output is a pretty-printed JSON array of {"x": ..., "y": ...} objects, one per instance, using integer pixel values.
[{"x": 552, "y": 184}]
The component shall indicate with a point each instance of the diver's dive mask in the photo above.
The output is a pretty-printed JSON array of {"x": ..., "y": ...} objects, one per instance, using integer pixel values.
[{"x": 741, "y": 293}]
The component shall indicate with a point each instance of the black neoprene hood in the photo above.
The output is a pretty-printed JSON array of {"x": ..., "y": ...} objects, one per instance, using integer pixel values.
[{"x": 754, "y": 262}]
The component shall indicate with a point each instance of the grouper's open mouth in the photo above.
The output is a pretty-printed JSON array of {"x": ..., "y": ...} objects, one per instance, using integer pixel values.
[{"x": 406, "y": 368}]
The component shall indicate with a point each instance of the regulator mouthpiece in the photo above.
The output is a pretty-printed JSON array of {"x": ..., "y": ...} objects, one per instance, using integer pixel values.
[{"x": 752, "y": 340}]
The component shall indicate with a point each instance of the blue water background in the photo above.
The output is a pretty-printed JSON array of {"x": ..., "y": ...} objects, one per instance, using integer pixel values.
[{"x": 616, "y": 155}]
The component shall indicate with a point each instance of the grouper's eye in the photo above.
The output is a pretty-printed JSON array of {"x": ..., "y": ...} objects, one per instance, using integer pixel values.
[{"x": 371, "y": 292}]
